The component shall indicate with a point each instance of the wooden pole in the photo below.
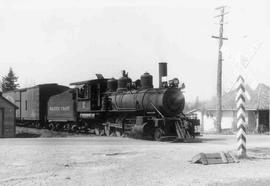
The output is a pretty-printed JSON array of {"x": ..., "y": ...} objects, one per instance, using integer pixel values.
[
  {"x": 219, "y": 70},
  {"x": 241, "y": 118}
]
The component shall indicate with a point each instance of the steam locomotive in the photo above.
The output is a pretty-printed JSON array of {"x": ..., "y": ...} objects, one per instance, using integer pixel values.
[{"x": 108, "y": 107}]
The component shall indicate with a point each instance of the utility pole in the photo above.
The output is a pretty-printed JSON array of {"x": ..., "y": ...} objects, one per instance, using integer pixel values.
[{"x": 219, "y": 68}]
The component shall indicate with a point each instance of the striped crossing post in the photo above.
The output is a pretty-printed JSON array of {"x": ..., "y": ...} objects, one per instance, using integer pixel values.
[{"x": 241, "y": 118}]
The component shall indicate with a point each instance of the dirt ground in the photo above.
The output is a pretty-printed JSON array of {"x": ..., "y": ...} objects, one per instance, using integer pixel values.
[{"x": 92, "y": 160}]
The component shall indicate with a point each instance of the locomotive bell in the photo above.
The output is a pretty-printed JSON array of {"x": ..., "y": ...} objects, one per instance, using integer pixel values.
[
  {"x": 123, "y": 82},
  {"x": 146, "y": 80}
]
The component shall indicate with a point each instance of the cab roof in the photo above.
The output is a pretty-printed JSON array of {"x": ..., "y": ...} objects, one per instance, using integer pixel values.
[{"x": 91, "y": 82}]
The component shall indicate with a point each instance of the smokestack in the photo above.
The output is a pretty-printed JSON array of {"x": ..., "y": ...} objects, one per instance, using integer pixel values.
[{"x": 162, "y": 72}]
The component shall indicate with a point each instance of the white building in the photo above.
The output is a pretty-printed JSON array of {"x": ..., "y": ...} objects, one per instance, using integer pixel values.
[{"x": 257, "y": 110}]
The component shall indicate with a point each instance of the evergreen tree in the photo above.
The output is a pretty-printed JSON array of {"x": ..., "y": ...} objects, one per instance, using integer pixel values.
[{"x": 9, "y": 82}]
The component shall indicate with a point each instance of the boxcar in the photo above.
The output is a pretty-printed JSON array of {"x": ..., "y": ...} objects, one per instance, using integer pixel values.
[{"x": 32, "y": 102}]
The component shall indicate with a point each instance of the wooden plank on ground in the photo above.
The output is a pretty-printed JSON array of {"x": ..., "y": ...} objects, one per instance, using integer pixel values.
[
  {"x": 223, "y": 157},
  {"x": 204, "y": 159},
  {"x": 234, "y": 157},
  {"x": 196, "y": 159},
  {"x": 214, "y": 161},
  {"x": 212, "y": 155},
  {"x": 214, "y": 158}
]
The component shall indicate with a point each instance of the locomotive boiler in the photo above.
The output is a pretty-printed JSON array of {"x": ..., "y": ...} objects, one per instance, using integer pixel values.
[
  {"x": 168, "y": 99},
  {"x": 165, "y": 101}
]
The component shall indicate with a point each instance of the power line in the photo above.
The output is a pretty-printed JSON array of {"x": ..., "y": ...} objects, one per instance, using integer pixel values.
[{"x": 249, "y": 60}]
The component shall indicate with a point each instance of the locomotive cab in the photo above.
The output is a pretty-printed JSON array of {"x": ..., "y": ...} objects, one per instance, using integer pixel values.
[{"x": 89, "y": 94}]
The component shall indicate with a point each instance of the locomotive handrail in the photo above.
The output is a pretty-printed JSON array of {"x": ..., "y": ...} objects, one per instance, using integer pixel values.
[{"x": 157, "y": 110}]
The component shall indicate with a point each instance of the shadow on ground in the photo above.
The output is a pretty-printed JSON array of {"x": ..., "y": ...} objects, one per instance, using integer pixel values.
[
  {"x": 204, "y": 140},
  {"x": 259, "y": 153},
  {"x": 246, "y": 182},
  {"x": 173, "y": 139},
  {"x": 27, "y": 135}
]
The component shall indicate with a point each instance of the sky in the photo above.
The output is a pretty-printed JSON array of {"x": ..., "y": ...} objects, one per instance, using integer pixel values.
[{"x": 65, "y": 41}]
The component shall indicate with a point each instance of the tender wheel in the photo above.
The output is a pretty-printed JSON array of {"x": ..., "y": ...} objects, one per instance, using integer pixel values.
[
  {"x": 39, "y": 125},
  {"x": 69, "y": 127},
  {"x": 157, "y": 134},
  {"x": 57, "y": 127},
  {"x": 50, "y": 127},
  {"x": 74, "y": 128},
  {"x": 36, "y": 125},
  {"x": 53, "y": 128}
]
